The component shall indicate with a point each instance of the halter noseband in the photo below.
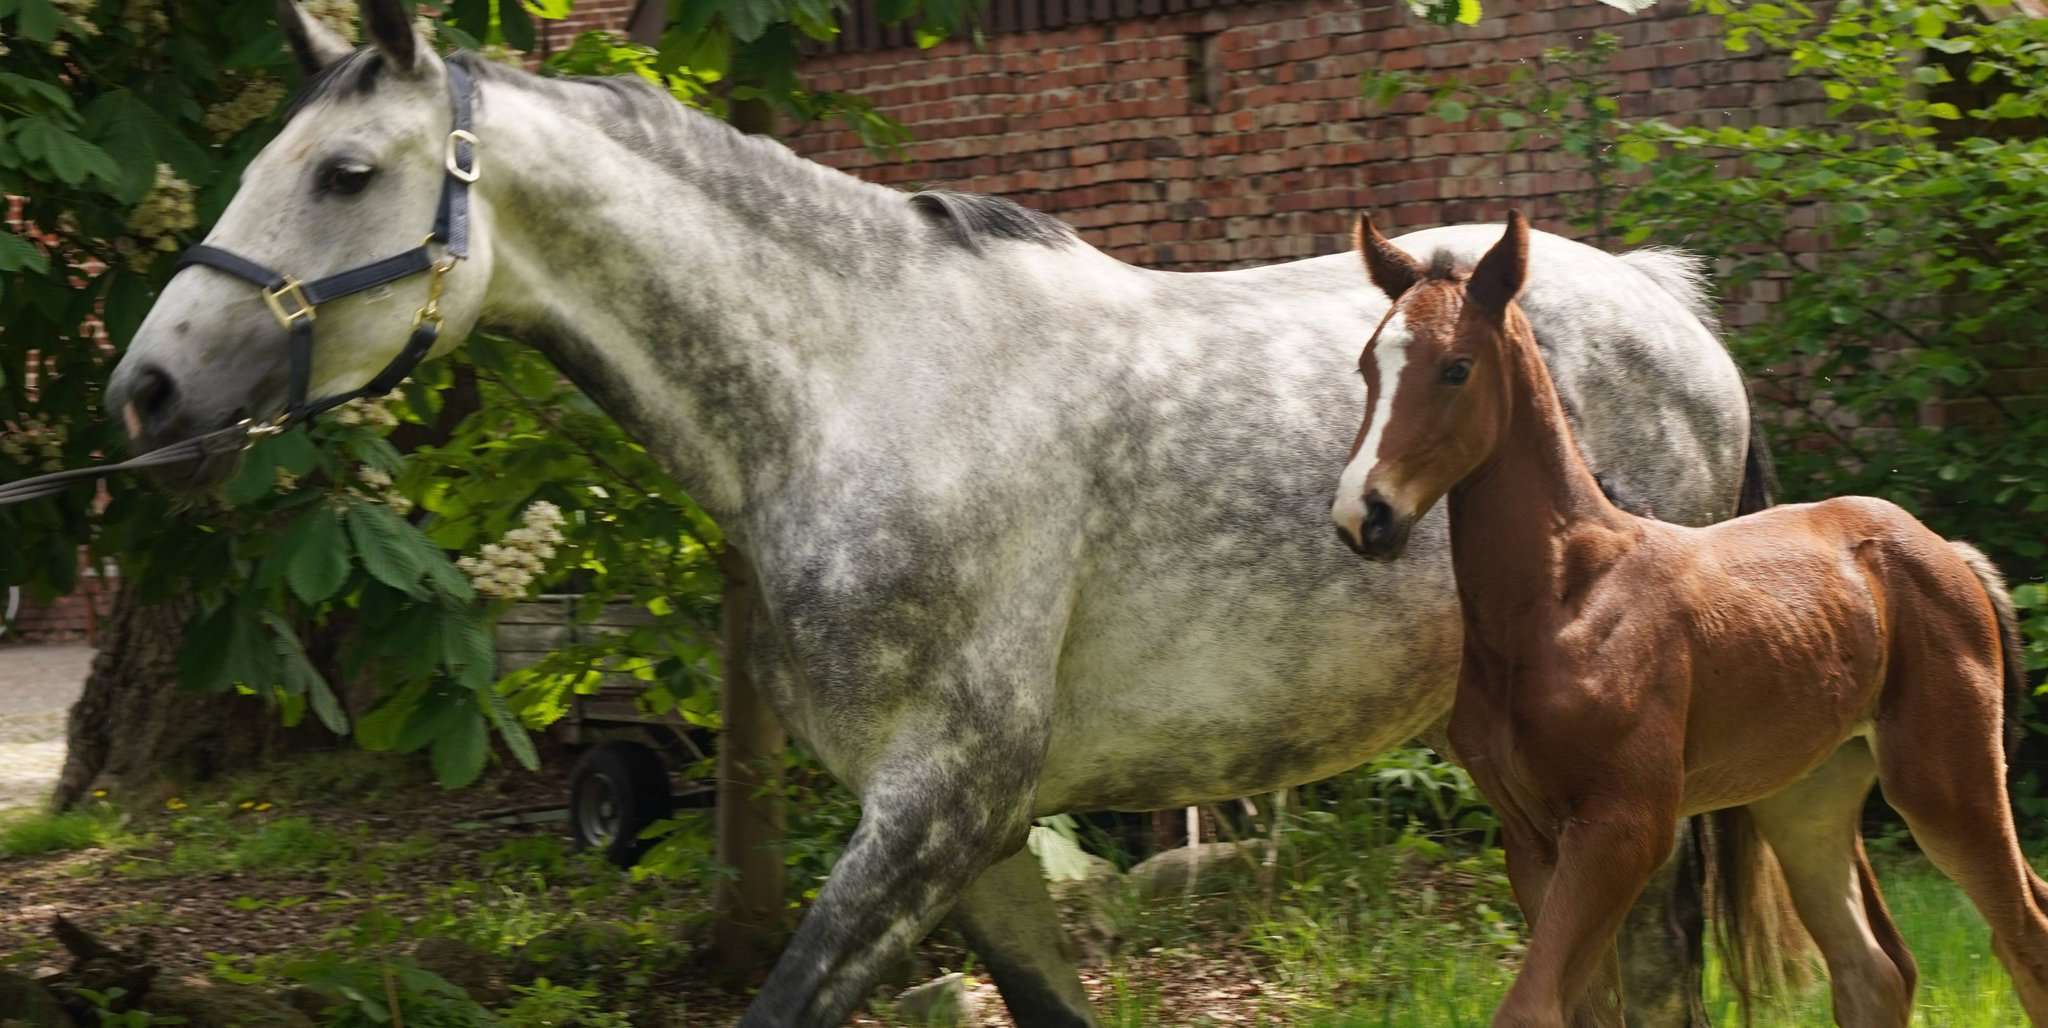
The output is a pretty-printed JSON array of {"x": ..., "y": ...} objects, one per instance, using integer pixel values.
[{"x": 293, "y": 303}]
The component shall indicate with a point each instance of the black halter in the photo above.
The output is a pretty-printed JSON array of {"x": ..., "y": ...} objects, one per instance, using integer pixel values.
[{"x": 294, "y": 303}]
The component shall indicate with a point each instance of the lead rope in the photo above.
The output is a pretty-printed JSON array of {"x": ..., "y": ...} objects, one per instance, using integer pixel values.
[{"x": 293, "y": 304}]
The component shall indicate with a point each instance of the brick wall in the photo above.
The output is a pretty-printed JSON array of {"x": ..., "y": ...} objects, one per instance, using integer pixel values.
[
  {"x": 1236, "y": 136},
  {"x": 69, "y": 618}
]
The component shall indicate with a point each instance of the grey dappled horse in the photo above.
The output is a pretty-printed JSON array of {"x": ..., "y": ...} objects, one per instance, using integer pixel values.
[{"x": 1034, "y": 530}]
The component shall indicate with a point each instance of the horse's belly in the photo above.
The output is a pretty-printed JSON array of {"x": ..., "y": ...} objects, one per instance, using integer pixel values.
[{"x": 1246, "y": 704}]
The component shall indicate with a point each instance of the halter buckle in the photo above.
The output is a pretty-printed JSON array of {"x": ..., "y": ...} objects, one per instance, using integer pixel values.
[
  {"x": 293, "y": 290},
  {"x": 253, "y": 432},
  {"x": 454, "y": 164},
  {"x": 432, "y": 310}
]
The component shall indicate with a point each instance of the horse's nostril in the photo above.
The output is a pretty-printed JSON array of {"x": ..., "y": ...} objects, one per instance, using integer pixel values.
[
  {"x": 1379, "y": 519},
  {"x": 153, "y": 395}
]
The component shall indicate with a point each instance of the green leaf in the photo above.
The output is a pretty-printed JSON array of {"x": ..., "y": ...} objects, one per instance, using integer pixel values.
[
  {"x": 1512, "y": 119},
  {"x": 515, "y": 25},
  {"x": 127, "y": 128},
  {"x": 128, "y": 300},
  {"x": 509, "y": 729},
  {"x": 459, "y": 754},
  {"x": 24, "y": 86},
  {"x": 1468, "y": 10},
  {"x": 1451, "y": 111},
  {"x": 301, "y": 678},
  {"x": 1641, "y": 150},
  {"x": 468, "y": 650},
  {"x": 552, "y": 10},
  {"x": 38, "y": 20},
  {"x": 1945, "y": 111},
  {"x": 387, "y": 547},
  {"x": 318, "y": 555},
  {"x": 17, "y": 254}
]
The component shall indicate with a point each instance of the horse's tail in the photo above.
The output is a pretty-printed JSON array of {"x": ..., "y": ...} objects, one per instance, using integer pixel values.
[
  {"x": 2009, "y": 640},
  {"x": 1764, "y": 949}
]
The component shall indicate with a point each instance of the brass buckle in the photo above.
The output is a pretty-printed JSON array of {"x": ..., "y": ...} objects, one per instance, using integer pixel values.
[
  {"x": 256, "y": 433},
  {"x": 454, "y": 166},
  {"x": 301, "y": 308},
  {"x": 432, "y": 310}
]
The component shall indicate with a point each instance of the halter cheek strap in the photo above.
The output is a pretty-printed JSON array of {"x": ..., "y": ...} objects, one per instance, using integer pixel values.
[{"x": 294, "y": 304}]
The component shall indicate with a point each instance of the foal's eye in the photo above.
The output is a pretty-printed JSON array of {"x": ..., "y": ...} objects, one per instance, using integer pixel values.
[
  {"x": 1457, "y": 371},
  {"x": 344, "y": 177}
]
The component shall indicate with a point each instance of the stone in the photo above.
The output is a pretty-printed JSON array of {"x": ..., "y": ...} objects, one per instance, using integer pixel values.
[
  {"x": 208, "y": 1004},
  {"x": 943, "y": 1002},
  {"x": 24, "y": 1001},
  {"x": 1212, "y": 867}
]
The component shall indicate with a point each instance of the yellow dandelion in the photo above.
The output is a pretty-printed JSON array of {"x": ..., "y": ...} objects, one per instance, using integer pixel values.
[
  {"x": 99, "y": 794},
  {"x": 174, "y": 803},
  {"x": 248, "y": 804},
  {"x": 263, "y": 806}
]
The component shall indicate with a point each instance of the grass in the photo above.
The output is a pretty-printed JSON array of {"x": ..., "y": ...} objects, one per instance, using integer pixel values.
[
  {"x": 34, "y": 834},
  {"x": 1384, "y": 961}
]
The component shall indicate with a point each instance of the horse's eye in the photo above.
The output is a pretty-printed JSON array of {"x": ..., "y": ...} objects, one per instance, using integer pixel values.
[
  {"x": 344, "y": 178},
  {"x": 1457, "y": 371}
]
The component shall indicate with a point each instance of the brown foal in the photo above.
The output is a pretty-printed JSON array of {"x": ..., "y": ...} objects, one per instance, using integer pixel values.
[{"x": 1619, "y": 672}]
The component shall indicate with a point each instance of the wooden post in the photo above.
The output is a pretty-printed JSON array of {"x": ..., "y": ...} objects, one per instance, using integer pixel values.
[{"x": 747, "y": 924}]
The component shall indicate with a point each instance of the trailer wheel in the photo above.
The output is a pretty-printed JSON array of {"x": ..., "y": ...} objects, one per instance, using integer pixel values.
[{"x": 615, "y": 792}]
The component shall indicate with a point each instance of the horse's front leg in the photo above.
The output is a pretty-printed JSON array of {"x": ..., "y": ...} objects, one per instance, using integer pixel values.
[{"x": 945, "y": 805}]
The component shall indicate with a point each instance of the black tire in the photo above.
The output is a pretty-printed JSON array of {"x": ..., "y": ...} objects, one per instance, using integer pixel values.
[{"x": 615, "y": 792}]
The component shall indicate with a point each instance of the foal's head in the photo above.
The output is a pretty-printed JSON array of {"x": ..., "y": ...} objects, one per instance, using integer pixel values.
[{"x": 1437, "y": 385}]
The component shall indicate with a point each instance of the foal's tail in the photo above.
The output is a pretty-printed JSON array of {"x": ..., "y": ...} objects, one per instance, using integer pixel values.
[
  {"x": 1764, "y": 949},
  {"x": 1763, "y": 946},
  {"x": 2009, "y": 640}
]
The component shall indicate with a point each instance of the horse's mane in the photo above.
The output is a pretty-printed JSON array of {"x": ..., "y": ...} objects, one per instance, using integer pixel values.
[{"x": 650, "y": 121}]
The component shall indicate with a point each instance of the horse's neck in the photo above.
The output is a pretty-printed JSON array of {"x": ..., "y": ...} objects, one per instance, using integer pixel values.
[
  {"x": 1531, "y": 523},
  {"x": 703, "y": 308}
]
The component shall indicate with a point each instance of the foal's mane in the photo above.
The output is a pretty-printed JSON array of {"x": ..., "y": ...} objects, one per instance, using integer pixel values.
[{"x": 647, "y": 120}]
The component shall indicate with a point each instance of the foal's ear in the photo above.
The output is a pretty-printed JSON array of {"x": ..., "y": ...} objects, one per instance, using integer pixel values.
[
  {"x": 389, "y": 25},
  {"x": 1500, "y": 273},
  {"x": 314, "y": 45},
  {"x": 1390, "y": 266}
]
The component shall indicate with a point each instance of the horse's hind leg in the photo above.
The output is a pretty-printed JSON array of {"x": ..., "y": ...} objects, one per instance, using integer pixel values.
[
  {"x": 1941, "y": 760},
  {"x": 1812, "y": 827},
  {"x": 1009, "y": 919},
  {"x": 929, "y": 826}
]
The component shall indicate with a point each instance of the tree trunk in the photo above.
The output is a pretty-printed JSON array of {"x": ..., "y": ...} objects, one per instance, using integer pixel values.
[
  {"x": 747, "y": 926},
  {"x": 133, "y": 728}
]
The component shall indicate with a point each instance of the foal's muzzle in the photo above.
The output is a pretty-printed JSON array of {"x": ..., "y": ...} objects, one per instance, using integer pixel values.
[{"x": 1382, "y": 534}]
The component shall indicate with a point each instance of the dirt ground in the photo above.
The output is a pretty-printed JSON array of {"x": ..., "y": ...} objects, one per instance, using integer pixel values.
[{"x": 38, "y": 683}]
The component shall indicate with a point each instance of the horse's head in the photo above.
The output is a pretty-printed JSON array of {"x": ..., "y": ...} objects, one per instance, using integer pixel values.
[
  {"x": 355, "y": 176},
  {"x": 1437, "y": 386}
]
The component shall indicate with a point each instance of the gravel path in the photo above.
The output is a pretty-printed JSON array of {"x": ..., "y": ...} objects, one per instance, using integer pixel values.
[{"x": 37, "y": 685}]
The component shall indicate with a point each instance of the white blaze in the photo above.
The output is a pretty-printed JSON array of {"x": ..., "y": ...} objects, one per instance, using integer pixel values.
[{"x": 1389, "y": 353}]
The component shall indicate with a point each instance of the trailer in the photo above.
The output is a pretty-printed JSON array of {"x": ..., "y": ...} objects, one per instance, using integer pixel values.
[{"x": 630, "y": 764}]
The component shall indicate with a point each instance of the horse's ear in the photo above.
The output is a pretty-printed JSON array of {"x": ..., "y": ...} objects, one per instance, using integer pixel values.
[
  {"x": 389, "y": 26},
  {"x": 1498, "y": 278},
  {"x": 313, "y": 44},
  {"x": 1390, "y": 266}
]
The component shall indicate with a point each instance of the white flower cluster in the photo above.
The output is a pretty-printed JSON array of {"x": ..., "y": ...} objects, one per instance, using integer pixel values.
[
  {"x": 283, "y": 481},
  {"x": 340, "y": 15},
  {"x": 78, "y": 13},
  {"x": 506, "y": 570},
  {"x": 35, "y": 438},
  {"x": 376, "y": 413},
  {"x": 256, "y": 99},
  {"x": 385, "y": 491},
  {"x": 166, "y": 211},
  {"x": 144, "y": 17}
]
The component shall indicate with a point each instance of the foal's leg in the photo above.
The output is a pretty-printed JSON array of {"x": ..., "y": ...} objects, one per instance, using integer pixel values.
[
  {"x": 1008, "y": 917},
  {"x": 1941, "y": 759},
  {"x": 1605, "y": 854},
  {"x": 1812, "y": 825}
]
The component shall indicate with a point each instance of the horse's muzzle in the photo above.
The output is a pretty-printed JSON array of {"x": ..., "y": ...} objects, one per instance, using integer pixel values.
[{"x": 1382, "y": 535}]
